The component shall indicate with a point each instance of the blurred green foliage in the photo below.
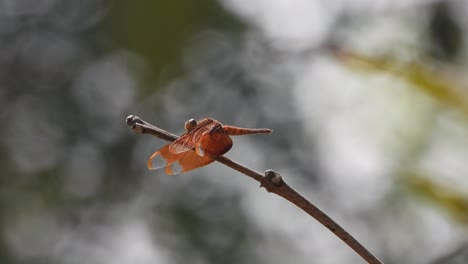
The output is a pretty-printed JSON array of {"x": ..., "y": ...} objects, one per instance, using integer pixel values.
[
  {"x": 451, "y": 201},
  {"x": 435, "y": 83},
  {"x": 161, "y": 30},
  {"x": 429, "y": 77}
]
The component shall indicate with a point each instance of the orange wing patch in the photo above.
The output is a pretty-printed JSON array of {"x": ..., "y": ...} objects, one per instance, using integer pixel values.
[{"x": 176, "y": 163}]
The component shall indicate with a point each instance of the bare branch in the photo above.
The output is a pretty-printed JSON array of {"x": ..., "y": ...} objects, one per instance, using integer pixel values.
[{"x": 273, "y": 183}]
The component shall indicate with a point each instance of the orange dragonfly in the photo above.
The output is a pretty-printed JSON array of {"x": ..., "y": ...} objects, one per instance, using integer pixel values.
[{"x": 197, "y": 146}]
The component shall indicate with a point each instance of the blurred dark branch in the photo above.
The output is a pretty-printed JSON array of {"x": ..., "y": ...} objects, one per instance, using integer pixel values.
[{"x": 273, "y": 183}]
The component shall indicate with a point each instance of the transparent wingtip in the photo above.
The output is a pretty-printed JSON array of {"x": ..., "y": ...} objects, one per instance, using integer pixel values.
[
  {"x": 174, "y": 168},
  {"x": 156, "y": 162}
]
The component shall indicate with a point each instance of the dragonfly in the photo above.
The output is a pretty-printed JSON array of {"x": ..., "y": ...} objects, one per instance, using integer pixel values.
[{"x": 198, "y": 146}]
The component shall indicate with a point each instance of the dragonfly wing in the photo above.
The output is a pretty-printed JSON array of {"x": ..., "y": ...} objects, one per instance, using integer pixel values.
[
  {"x": 191, "y": 161},
  {"x": 182, "y": 144},
  {"x": 190, "y": 140},
  {"x": 162, "y": 158},
  {"x": 176, "y": 163}
]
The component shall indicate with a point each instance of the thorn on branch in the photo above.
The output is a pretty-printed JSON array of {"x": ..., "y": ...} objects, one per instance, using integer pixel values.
[
  {"x": 271, "y": 180},
  {"x": 274, "y": 177}
]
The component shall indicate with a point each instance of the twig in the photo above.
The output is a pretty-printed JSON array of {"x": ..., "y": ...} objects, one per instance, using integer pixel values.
[{"x": 273, "y": 183}]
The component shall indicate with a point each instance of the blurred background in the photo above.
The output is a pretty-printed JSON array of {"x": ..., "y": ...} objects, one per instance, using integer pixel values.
[{"x": 368, "y": 100}]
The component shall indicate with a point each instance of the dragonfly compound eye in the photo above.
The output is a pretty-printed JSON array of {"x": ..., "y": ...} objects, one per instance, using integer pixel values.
[{"x": 190, "y": 124}]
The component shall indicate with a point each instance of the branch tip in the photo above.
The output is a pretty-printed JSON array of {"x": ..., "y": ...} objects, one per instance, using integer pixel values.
[{"x": 130, "y": 120}]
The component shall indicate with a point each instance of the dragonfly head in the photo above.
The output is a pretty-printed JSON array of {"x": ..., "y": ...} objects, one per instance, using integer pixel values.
[{"x": 190, "y": 124}]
